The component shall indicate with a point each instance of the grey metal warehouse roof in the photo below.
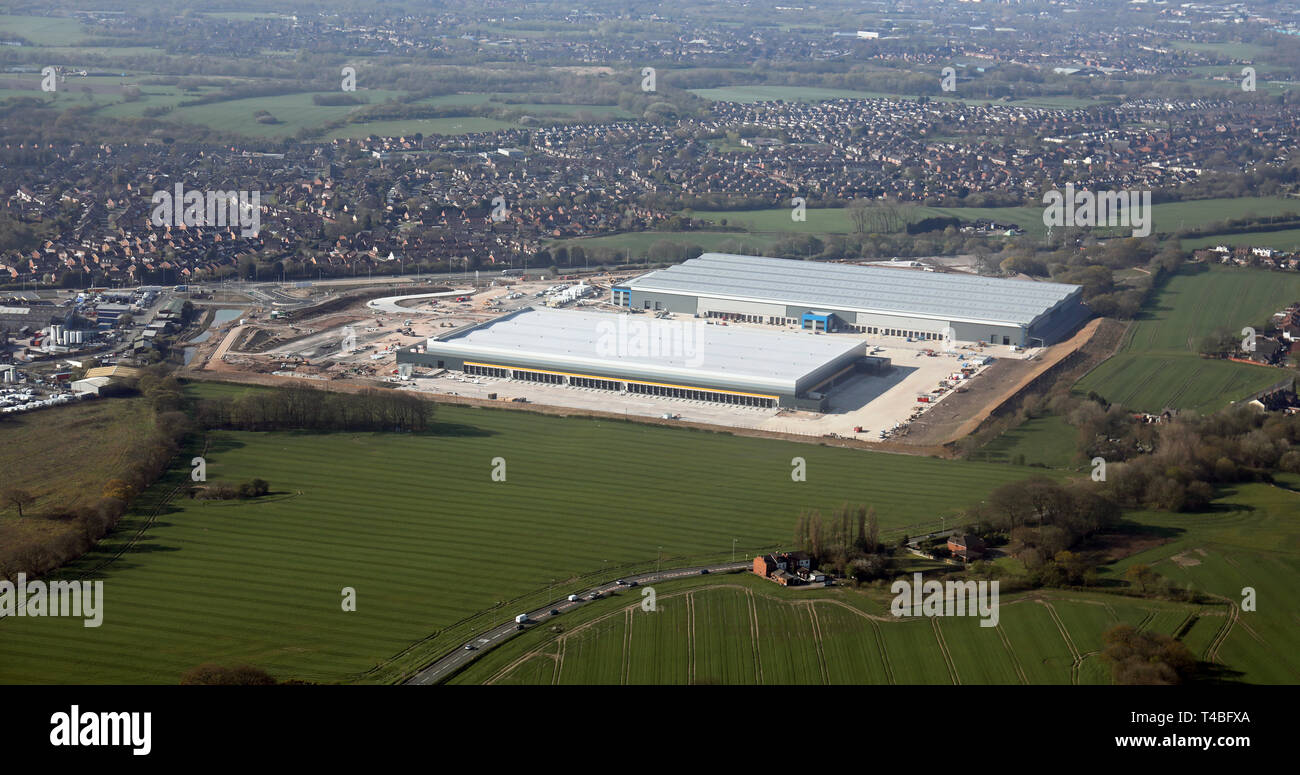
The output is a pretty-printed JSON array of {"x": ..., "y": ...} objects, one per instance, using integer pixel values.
[
  {"x": 858, "y": 288},
  {"x": 645, "y": 348}
]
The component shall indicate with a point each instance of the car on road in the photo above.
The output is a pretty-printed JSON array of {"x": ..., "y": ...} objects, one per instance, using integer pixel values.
[
  {"x": 621, "y": 583},
  {"x": 703, "y": 571},
  {"x": 555, "y": 612},
  {"x": 469, "y": 646}
]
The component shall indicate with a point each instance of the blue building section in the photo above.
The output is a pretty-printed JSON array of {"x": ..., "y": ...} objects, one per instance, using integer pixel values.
[{"x": 818, "y": 321}]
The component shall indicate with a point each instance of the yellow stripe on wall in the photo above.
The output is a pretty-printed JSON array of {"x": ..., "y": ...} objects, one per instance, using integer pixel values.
[{"x": 621, "y": 379}]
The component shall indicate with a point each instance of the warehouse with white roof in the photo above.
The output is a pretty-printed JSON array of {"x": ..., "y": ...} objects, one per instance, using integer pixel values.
[
  {"x": 692, "y": 359},
  {"x": 873, "y": 300}
]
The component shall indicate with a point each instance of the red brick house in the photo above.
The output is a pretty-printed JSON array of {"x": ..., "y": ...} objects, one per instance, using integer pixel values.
[
  {"x": 785, "y": 567},
  {"x": 966, "y": 547}
]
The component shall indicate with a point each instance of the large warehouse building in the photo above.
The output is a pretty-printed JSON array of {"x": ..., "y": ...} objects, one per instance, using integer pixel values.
[
  {"x": 640, "y": 354},
  {"x": 880, "y": 301}
]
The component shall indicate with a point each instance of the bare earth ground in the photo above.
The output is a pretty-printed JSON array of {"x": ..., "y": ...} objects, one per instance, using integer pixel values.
[
  {"x": 1112, "y": 547},
  {"x": 961, "y": 414}
]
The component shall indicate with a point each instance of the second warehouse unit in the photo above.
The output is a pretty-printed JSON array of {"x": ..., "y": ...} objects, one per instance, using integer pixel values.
[{"x": 879, "y": 301}]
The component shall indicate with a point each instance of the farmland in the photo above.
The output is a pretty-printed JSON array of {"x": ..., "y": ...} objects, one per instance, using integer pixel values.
[
  {"x": 406, "y": 520},
  {"x": 740, "y": 629},
  {"x": 638, "y": 244},
  {"x": 34, "y": 456},
  {"x": 1282, "y": 239},
  {"x": 1251, "y": 539},
  {"x": 1047, "y": 440},
  {"x": 1157, "y": 365},
  {"x": 1168, "y": 217}
]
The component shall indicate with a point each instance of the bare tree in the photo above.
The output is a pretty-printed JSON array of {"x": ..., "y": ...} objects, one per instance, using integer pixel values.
[
  {"x": 16, "y": 497},
  {"x": 860, "y": 213}
]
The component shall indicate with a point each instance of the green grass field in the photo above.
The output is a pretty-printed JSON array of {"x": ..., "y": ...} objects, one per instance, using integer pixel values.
[
  {"x": 637, "y": 244},
  {"x": 1168, "y": 217},
  {"x": 1284, "y": 239},
  {"x": 1157, "y": 365},
  {"x": 416, "y": 525},
  {"x": 1048, "y": 440},
  {"x": 739, "y": 629},
  {"x": 42, "y": 30},
  {"x": 1251, "y": 539}
]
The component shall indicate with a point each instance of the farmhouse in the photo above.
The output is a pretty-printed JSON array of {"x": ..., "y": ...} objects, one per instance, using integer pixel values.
[
  {"x": 966, "y": 546},
  {"x": 873, "y": 300},
  {"x": 787, "y": 568}
]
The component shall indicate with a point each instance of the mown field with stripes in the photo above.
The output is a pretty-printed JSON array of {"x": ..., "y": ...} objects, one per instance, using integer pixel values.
[
  {"x": 418, "y": 528},
  {"x": 1251, "y": 539},
  {"x": 739, "y": 629},
  {"x": 1157, "y": 365},
  {"x": 742, "y": 629}
]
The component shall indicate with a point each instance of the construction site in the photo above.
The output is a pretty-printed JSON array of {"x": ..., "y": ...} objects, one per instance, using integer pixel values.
[{"x": 534, "y": 341}]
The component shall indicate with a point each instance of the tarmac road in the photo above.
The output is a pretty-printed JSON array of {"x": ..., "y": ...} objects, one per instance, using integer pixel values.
[{"x": 489, "y": 639}]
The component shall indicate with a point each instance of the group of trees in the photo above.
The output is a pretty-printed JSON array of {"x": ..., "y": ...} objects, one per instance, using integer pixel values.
[
  {"x": 308, "y": 408},
  {"x": 254, "y": 488},
  {"x": 872, "y": 216},
  {"x": 1092, "y": 265},
  {"x": 219, "y": 675},
  {"x": 1146, "y": 658},
  {"x": 846, "y": 544},
  {"x": 1193, "y": 455},
  {"x": 1042, "y": 517}
]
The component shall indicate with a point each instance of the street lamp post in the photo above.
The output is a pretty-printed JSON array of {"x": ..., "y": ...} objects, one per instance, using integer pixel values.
[
  {"x": 733, "y": 549},
  {"x": 659, "y": 558}
]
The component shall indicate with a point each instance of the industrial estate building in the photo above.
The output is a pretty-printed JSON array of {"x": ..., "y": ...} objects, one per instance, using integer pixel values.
[
  {"x": 874, "y": 300},
  {"x": 701, "y": 358},
  {"x": 640, "y": 354}
]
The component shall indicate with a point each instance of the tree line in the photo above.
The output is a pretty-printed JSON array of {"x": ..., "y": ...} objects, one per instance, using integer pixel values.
[
  {"x": 846, "y": 544},
  {"x": 304, "y": 407}
]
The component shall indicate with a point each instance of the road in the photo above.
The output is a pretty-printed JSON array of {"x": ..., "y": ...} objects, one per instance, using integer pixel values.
[
  {"x": 489, "y": 639},
  {"x": 390, "y": 304}
]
